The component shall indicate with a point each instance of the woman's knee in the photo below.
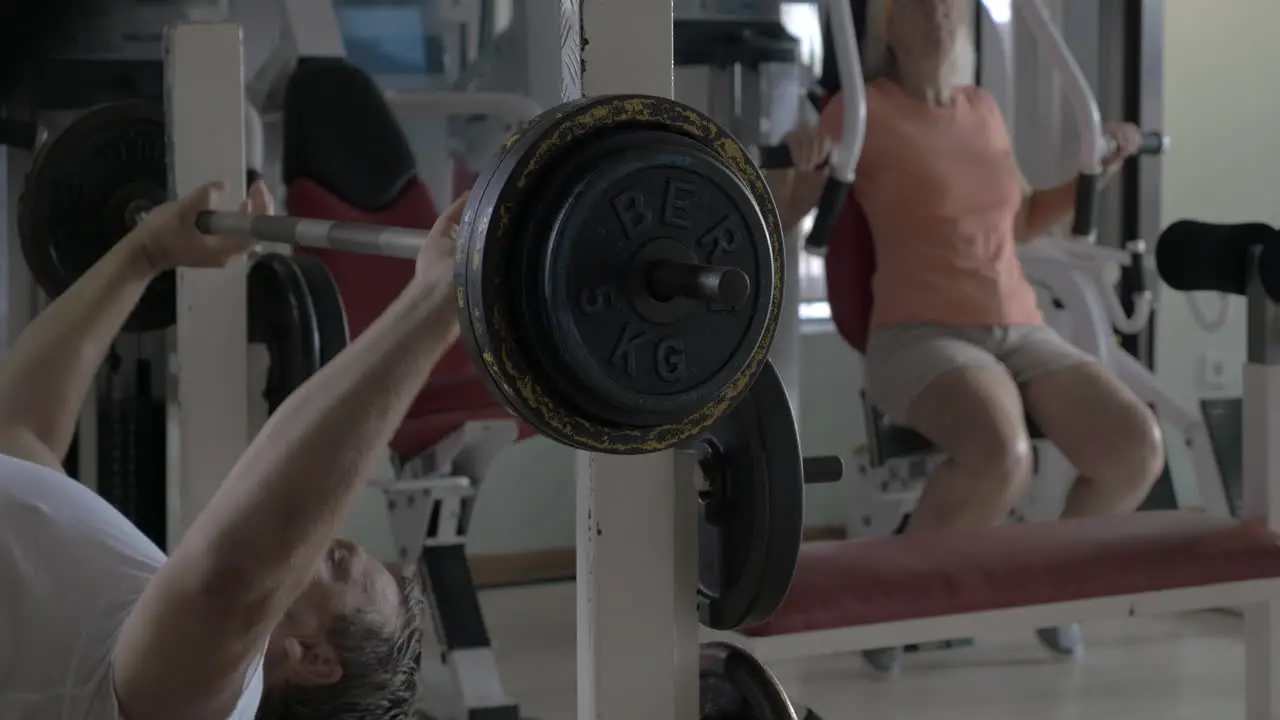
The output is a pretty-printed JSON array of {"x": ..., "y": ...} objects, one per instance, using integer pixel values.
[
  {"x": 1132, "y": 451},
  {"x": 997, "y": 461},
  {"x": 975, "y": 416}
]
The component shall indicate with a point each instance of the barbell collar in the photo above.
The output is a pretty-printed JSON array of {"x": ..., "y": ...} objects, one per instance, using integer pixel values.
[{"x": 307, "y": 232}]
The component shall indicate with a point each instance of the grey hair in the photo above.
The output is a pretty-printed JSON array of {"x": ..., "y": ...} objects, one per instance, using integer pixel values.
[
  {"x": 879, "y": 61},
  {"x": 380, "y": 669}
]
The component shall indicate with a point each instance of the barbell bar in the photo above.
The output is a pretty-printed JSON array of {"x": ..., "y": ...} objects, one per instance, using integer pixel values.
[{"x": 665, "y": 280}]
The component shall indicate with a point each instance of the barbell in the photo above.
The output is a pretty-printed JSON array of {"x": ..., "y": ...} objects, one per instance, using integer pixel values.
[
  {"x": 664, "y": 279},
  {"x": 619, "y": 262}
]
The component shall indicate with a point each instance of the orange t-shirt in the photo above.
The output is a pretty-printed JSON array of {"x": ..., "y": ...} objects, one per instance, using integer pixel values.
[{"x": 941, "y": 191}]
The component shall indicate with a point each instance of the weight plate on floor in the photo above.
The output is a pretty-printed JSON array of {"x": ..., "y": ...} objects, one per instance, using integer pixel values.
[
  {"x": 282, "y": 317},
  {"x": 552, "y": 250},
  {"x": 752, "y": 518},
  {"x": 86, "y": 189},
  {"x": 733, "y": 685},
  {"x": 332, "y": 330}
]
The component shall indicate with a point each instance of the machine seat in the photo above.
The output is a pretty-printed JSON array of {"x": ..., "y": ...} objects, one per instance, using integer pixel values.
[
  {"x": 894, "y": 441},
  {"x": 346, "y": 159},
  {"x": 863, "y": 582}
]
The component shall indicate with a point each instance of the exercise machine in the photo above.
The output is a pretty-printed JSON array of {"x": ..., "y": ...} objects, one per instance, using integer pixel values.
[{"x": 1077, "y": 280}]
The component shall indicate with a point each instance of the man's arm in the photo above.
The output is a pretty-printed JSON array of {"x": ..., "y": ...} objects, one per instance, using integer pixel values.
[
  {"x": 187, "y": 645},
  {"x": 54, "y": 361}
]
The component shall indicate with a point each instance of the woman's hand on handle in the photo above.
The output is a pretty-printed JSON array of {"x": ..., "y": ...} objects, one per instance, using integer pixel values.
[{"x": 1128, "y": 142}]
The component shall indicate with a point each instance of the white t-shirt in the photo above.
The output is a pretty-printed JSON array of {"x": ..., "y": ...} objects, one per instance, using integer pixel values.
[{"x": 71, "y": 568}]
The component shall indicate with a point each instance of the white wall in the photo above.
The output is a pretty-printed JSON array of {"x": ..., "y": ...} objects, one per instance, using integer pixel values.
[
  {"x": 1225, "y": 165},
  {"x": 1220, "y": 109}
]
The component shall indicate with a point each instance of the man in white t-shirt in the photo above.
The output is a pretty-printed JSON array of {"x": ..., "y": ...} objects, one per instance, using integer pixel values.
[{"x": 258, "y": 612}]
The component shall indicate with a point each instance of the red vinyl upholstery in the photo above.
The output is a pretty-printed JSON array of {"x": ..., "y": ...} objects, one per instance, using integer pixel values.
[
  {"x": 455, "y": 393},
  {"x": 851, "y": 583},
  {"x": 851, "y": 263},
  {"x": 346, "y": 158}
]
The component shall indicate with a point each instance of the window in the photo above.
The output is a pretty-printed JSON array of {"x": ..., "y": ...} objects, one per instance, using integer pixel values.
[{"x": 804, "y": 21}]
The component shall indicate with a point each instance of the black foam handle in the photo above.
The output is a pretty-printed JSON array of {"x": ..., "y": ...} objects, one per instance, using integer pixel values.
[
  {"x": 775, "y": 157},
  {"x": 251, "y": 176},
  {"x": 1086, "y": 212},
  {"x": 1152, "y": 143},
  {"x": 834, "y": 195},
  {"x": 823, "y": 469},
  {"x": 1192, "y": 255},
  {"x": 1269, "y": 271}
]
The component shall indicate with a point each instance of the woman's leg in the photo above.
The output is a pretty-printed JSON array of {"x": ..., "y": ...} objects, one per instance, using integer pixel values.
[
  {"x": 1104, "y": 430},
  {"x": 1109, "y": 435},
  {"x": 945, "y": 384},
  {"x": 974, "y": 415}
]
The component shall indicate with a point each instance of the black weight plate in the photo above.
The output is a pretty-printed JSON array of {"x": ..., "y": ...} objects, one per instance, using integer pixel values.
[
  {"x": 326, "y": 299},
  {"x": 282, "y": 317},
  {"x": 621, "y": 354},
  {"x": 86, "y": 187},
  {"x": 752, "y": 523},
  {"x": 496, "y": 237},
  {"x": 733, "y": 685},
  {"x": 474, "y": 225}
]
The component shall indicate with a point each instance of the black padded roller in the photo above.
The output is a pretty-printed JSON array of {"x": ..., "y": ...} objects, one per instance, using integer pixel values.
[
  {"x": 1194, "y": 255},
  {"x": 1269, "y": 270}
]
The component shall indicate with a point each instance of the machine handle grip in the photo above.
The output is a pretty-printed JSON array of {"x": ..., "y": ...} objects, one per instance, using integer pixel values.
[
  {"x": 1192, "y": 255},
  {"x": 775, "y": 157},
  {"x": 1085, "y": 220},
  {"x": 1153, "y": 142},
  {"x": 1137, "y": 269},
  {"x": 834, "y": 195}
]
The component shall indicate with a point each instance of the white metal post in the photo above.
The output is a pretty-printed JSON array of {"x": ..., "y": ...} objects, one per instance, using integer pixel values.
[
  {"x": 637, "y": 516},
  {"x": 209, "y": 423},
  {"x": 1261, "y": 475}
]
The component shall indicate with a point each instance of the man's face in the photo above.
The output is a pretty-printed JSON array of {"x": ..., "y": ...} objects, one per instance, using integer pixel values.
[{"x": 348, "y": 580}]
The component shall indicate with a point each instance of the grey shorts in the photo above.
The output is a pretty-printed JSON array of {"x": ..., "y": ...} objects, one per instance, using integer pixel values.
[{"x": 902, "y": 360}]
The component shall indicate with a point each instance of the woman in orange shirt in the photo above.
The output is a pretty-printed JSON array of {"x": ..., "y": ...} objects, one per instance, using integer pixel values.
[{"x": 958, "y": 349}]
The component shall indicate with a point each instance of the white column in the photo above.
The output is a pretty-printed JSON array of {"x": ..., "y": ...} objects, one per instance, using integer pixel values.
[
  {"x": 637, "y": 516},
  {"x": 209, "y": 409},
  {"x": 1261, "y": 474}
]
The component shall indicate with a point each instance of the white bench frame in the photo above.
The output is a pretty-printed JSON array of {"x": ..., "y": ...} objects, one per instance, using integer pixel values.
[{"x": 1259, "y": 599}]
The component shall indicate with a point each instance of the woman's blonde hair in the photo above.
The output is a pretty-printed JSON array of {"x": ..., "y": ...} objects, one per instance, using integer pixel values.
[{"x": 878, "y": 59}]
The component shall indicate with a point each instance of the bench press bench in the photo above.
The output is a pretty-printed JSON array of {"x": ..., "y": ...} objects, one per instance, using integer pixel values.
[{"x": 891, "y": 591}]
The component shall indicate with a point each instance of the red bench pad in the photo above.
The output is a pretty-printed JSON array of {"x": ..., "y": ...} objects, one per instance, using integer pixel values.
[
  {"x": 455, "y": 393},
  {"x": 863, "y": 582}
]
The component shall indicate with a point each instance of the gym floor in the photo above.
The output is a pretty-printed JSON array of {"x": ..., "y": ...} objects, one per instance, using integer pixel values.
[{"x": 1187, "y": 667}]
